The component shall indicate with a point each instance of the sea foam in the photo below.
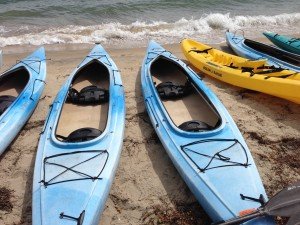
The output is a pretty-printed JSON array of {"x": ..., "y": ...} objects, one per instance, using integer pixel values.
[{"x": 210, "y": 27}]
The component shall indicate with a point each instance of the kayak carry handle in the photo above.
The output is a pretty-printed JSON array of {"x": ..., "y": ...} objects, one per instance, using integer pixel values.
[
  {"x": 243, "y": 33},
  {"x": 79, "y": 219}
]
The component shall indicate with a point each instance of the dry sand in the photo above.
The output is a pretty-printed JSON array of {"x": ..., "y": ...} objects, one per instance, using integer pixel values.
[{"x": 147, "y": 188}]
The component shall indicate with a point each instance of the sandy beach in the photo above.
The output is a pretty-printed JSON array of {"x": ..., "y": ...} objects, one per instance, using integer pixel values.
[{"x": 147, "y": 188}]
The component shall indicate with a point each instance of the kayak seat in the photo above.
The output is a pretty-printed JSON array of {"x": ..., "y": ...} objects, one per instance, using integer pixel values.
[
  {"x": 195, "y": 126},
  {"x": 88, "y": 95},
  {"x": 221, "y": 59},
  {"x": 217, "y": 57},
  {"x": 225, "y": 60},
  {"x": 169, "y": 90},
  {"x": 5, "y": 102},
  {"x": 251, "y": 64},
  {"x": 81, "y": 135}
]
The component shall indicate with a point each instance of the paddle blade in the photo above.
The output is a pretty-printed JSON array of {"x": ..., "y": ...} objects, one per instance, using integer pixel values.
[
  {"x": 285, "y": 203},
  {"x": 294, "y": 220}
]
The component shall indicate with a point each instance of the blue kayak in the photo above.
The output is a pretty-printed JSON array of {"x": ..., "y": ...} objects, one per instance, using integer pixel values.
[
  {"x": 80, "y": 145},
  {"x": 20, "y": 90},
  {"x": 287, "y": 43},
  {"x": 200, "y": 137},
  {"x": 255, "y": 50}
]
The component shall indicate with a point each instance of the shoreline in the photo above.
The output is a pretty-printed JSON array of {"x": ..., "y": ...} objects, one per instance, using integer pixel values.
[
  {"x": 64, "y": 47},
  {"x": 147, "y": 184}
]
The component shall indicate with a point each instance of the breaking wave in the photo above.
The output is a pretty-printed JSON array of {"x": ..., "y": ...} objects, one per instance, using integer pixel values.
[{"x": 210, "y": 26}]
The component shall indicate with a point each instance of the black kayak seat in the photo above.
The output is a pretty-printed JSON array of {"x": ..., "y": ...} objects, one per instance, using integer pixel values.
[
  {"x": 5, "y": 102},
  {"x": 88, "y": 95},
  {"x": 81, "y": 135},
  {"x": 169, "y": 90},
  {"x": 195, "y": 126}
]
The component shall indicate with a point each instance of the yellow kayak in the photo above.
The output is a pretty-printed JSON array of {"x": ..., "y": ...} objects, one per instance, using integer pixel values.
[{"x": 251, "y": 74}]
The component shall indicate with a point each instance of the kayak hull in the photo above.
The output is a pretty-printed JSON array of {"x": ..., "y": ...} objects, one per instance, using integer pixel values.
[
  {"x": 238, "y": 45},
  {"x": 75, "y": 194},
  {"x": 207, "y": 186},
  {"x": 284, "y": 42},
  {"x": 212, "y": 64},
  {"x": 15, "y": 117}
]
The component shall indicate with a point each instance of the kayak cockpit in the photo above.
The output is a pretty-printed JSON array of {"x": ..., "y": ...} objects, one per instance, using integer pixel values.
[
  {"x": 84, "y": 115},
  {"x": 11, "y": 85},
  {"x": 275, "y": 52},
  {"x": 188, "y": 108}
]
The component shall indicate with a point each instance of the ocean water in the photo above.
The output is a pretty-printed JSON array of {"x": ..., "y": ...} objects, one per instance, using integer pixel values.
[{"x": 134, "y": 22}]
